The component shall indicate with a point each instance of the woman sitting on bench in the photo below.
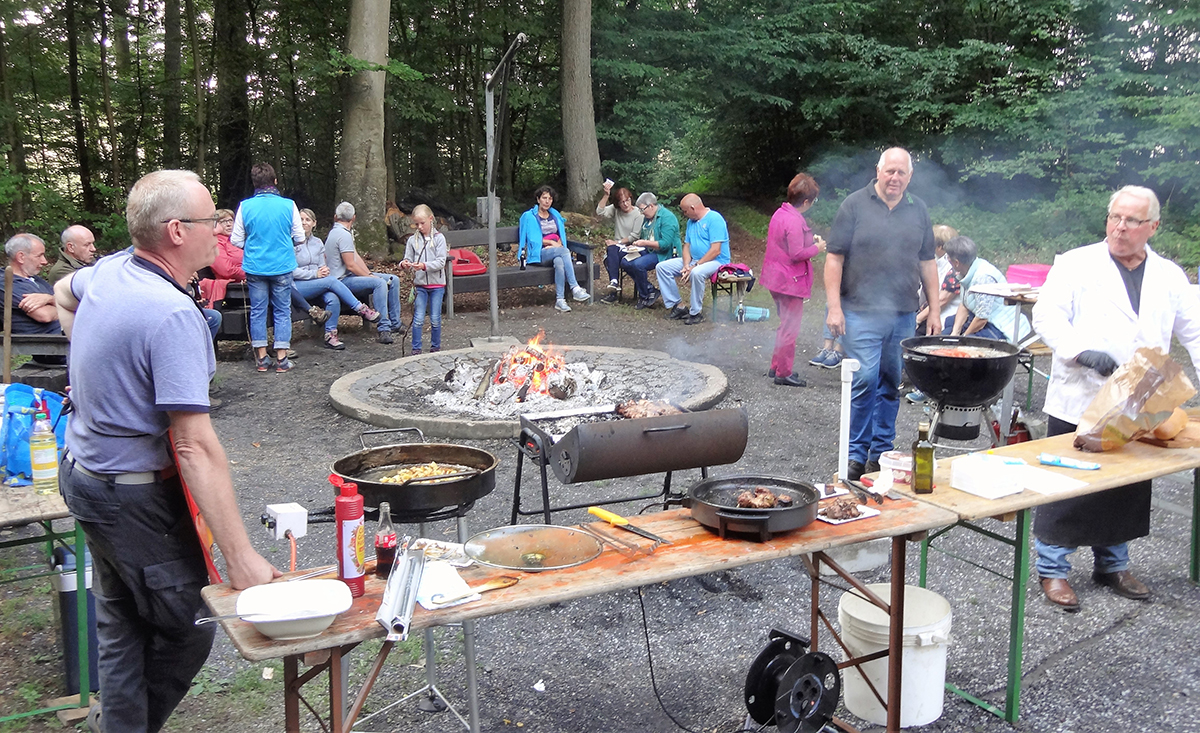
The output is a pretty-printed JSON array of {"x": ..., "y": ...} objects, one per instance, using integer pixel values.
[{"x": 543, "y": 241}]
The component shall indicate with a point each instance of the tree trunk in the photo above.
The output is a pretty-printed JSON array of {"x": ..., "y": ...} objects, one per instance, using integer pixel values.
[
  {"x": 362, "y": 172},
  {"x": 12, "y": 133},
  {"x": 199, "y": 128},
  {"x": 389, "y": 148},
  {"x": 232, "y": 115},
  {"x": 81, "y": 148},
  {"x": 106, "y": 90},
  {"x": 172, "y": 84},
  {"x": 581, "y": 150},
  {"x": 120, "y": 12}
]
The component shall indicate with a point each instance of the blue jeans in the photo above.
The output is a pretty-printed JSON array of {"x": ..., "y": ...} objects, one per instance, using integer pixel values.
[
  {"x": 564, "y": 269},
  {"x": 277, "y": 290},
  {"x": 333, "y": 292},
  {"x": 384, "y": 290},
  {"x": 213, "y": 318},
  {"x": 669, "y": 270},
  {"x": 987, "y": 332},
  {"x": 873, "y": 338},
  {"x": 638, "y": 269},
  {"x": 431, "y": 298},
  {"x": 1052, "y": 560}
]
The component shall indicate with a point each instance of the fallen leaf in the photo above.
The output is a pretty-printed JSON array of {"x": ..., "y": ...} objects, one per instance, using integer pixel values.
[{"x": 256, "y": 445}]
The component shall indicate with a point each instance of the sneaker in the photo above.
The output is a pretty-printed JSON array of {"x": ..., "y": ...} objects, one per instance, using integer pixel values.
[
  {"x": 692, "y": 320},
  {"x": 385, "y": 337},
  {"x": 415, "y": 352},
  {"x": 610, "y": 298},
  {"x": 643, "y": 304},
  {"x": 263, "y": 364},
  {"x": 93, "y": 718},
  {"x": 819, "y": 359},
  {"x": 580, "y": 294},
  {"x": 434, "y": 349},
  {"x": 915, "y": 397},
  {"x": 318, "y": 314},
  {"x": 613, "y": 285},
  {"x": 677, "y": 313},
  {"x": 832, "y": 360},
  {"x": 369, "y": 314},
  {"x": 855, "y": 470},
  {"x": 284, "y": 366},
  {"x": 332, "y": 341},
  {"x": 561, "y": 305}
]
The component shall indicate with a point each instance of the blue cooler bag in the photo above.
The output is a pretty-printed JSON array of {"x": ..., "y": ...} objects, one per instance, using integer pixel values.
[{"x": 19, "y": 408}]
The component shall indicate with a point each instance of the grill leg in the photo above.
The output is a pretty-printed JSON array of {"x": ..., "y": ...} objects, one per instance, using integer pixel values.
[
  {"x": 517, "y": 486},
  {"x": 545, "y": 489}
]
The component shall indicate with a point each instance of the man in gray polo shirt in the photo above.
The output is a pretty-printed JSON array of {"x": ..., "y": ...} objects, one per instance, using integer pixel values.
[
  {"x": 880, "y": 249},
  {"x": 346, "y": 265},
  {"x": 132, "y": 316}
]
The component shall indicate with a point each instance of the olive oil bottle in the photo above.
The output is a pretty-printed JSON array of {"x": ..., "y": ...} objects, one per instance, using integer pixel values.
[{"x": 922, "y": 452}]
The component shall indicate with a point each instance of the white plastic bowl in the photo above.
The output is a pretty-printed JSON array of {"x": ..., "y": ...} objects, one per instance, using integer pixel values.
[{"x": 294, "y": 610}]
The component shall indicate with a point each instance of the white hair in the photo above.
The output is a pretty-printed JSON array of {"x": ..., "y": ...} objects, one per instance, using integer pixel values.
[
  {"x": 907, "y": 155},
  {"x": 344, "y": 211},
  {"x": 647, "y": 199},
  {"x": 155, "y": 198},
  {"x": 21, "y": 243},
  {"x": 1140, "y": 192}
]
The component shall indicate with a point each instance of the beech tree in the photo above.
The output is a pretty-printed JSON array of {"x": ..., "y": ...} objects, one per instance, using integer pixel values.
[{"x": 580, "y": 148}]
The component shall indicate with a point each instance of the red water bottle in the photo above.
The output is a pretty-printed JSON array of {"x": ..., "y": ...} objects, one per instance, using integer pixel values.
[{"x": 351, "y": 555}]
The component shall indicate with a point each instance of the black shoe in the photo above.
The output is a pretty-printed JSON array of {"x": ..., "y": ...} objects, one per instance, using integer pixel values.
[
  {"x": 1124, "y": 584},
  {"x": 678, "y": 313},
  {"x": 693, "y": 320},
  {"x": 872, "y": 467},
  {"x": 771, "y": 373},
  {"x": 385, "y": 337},
  {"x": 791, "y": 380},
  {"x": 855, "y": 470},
  {"x": 643, "y": 304},
  {"x": 611, "y": 298}
]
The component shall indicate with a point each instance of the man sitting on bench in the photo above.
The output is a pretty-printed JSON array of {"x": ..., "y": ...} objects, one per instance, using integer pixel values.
[
  {"x": 33, "y": 308},
  {"x": 345, "y": 264}
]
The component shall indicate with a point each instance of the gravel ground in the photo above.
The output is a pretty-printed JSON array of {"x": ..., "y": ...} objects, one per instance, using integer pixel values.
[{"x": 1117, "y": 665}]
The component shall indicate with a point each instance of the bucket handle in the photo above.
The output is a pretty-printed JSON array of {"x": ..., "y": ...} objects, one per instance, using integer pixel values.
[
  {"x": 362, "y": 437},
  {"x": 931, "y": 638}
]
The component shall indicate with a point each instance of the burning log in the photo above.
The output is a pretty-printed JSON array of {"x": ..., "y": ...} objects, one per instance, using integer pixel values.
[
  {"x": 561, "y": 386},
  {"x": 487, "y": 379}
]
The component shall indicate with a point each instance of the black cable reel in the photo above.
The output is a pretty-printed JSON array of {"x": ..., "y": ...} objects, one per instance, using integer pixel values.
[{"x": 796, "y": 689}]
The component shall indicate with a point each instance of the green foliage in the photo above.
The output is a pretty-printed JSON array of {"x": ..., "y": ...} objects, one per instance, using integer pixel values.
[{"x": 341, "y": 64}]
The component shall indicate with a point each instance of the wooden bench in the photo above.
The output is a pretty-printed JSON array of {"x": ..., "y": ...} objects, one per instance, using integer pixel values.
[
  {"x": 235, "y": 313},
  {"x": 511, "y": 277}
]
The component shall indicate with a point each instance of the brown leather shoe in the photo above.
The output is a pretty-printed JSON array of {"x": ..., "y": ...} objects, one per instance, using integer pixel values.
[
  {"x": 1124, "y": 584},
  {"x": 1058, "y": 591}
]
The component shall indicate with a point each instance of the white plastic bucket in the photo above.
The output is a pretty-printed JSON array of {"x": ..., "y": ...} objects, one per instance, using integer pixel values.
[{"x": 926, "y": 635}]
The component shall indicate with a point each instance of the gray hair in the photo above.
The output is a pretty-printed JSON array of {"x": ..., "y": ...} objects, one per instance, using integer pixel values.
[
  {"x": 1140, "y": 192},
  {"x": 21, "y": 243},
  {"x": 646, "y": 199},
  {"x": 68, "y": 234},
  {"x": 883, "y": 155},
  {"x": 962, "y": 249},
  {"x": 156, "y": 197},
  {"x": 344, "y": 211}
]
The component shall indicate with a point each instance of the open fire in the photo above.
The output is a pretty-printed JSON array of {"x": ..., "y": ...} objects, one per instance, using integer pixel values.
[{"x": 531, "y": 370}]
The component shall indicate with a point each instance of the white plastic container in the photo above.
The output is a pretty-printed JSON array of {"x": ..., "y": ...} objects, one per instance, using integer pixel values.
[{"x": 864, "y": 626}]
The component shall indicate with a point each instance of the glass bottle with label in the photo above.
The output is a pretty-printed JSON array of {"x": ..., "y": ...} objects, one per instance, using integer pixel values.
[
  {"x": 385, "y": 541},
  {"x": 922, "y": 451}
]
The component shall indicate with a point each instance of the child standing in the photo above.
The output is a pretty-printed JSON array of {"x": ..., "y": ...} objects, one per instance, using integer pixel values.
[{"x": 425, "y": 255}]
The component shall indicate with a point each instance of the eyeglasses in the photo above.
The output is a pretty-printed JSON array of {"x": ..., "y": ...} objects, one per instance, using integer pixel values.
[
  {"x": 643, "y": 207},
  {"x": 1129, "y": 221},
  {"x": 228, "y": 220},
  {"x": 209, "y": 220}
]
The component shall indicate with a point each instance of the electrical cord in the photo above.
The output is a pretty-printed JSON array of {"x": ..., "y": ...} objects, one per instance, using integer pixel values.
[
  {"x": 292, "y": 540},
  {"x": 654, "y": 682}
]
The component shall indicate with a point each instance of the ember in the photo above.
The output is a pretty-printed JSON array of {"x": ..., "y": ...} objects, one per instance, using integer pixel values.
[{"x": 530, "y": 370}]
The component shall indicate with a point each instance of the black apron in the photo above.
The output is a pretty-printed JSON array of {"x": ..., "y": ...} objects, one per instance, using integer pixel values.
[{"x": 1107, "y": 518}]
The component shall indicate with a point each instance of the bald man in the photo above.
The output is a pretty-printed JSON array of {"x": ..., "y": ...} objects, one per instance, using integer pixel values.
[
  {"x": 705, "y": 249},
  {"x": 77, "y": 252}
]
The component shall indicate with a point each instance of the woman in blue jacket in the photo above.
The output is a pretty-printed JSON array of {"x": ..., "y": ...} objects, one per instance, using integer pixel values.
[{"x": 543, "y": 236}]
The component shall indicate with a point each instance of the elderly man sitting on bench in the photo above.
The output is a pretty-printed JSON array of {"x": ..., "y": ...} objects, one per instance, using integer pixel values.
[
  {"x": 705, "y": 249},
  {"x": 33, "y": 308}
]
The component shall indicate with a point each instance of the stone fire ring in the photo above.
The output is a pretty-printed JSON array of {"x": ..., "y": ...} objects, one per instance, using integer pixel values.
[{"x": 371, "y": 394}]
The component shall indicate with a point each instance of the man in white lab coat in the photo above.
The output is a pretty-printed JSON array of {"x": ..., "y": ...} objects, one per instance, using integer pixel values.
[{"x": 1100, "y": 303}]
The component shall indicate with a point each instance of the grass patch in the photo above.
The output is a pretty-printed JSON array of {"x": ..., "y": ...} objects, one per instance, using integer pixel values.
[{"x": 747, "y": 217}]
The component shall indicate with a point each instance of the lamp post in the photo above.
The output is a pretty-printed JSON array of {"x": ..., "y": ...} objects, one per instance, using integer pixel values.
[{"x": 500, "y": 72}]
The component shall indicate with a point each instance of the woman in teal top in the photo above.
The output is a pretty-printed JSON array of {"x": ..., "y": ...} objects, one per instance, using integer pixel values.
[{"x": 543, "y": 241}]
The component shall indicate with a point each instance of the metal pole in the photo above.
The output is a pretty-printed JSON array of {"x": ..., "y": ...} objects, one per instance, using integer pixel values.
[{"x": 490, "y": 107}]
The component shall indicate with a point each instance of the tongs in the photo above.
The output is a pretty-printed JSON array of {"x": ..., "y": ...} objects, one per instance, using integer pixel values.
[
  {"x": 862, "y": 492},
  {"x": 628, "y": 549}
]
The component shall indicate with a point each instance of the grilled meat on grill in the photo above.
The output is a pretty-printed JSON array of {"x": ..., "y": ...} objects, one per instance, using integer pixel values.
[
  {"x": 636, "y": 409},
  {"x": 760, "y": 498}
]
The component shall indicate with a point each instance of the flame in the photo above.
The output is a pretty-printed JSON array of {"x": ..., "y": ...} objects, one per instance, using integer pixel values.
[{"x": 533, "y": 365}]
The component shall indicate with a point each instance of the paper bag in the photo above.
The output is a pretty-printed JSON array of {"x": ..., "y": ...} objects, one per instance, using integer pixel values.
[{"x": 1138, "y": 397}]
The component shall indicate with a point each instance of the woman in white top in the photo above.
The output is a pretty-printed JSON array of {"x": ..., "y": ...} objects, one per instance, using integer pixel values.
[{"x": 627, "y": 225}]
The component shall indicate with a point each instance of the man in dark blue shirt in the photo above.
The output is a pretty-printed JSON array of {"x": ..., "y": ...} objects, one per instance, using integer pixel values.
[{"x": 32, "y": 297}]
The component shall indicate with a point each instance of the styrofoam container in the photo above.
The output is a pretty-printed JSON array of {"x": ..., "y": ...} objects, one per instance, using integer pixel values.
[{"x": 294, "y": 610}]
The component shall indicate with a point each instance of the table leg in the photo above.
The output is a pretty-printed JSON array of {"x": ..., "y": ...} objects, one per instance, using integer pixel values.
[
  {"x": 337, "y": 690},
  {"x": 82, "y": 622},
  {"x": 815, "y": 608},
  {"x": 896, "y": 636},
  {"x": 1194, "y": 566},
  {"x": 1016, "y": 628},
  {"x": 923, "y": 573},
  {"x": 291, "y": 694}
]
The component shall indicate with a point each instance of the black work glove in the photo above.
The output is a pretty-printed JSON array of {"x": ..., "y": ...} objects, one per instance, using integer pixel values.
[{"x": 1098, "y": 360}]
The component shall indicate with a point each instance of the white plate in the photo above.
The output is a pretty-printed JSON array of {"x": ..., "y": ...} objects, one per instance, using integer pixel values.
[
  {"x": 630, "y": 249},
  {"x": 865, "y": 512}
]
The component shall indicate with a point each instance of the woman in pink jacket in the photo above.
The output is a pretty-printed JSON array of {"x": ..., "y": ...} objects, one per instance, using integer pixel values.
[{"x": 788, "y": 274}]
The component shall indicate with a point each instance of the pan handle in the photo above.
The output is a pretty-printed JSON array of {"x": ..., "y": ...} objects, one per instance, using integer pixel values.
[
  {"x": 916, "y": 357},
  {"x": 666, "y": 428},
  {"x": 362, "y": 436}
]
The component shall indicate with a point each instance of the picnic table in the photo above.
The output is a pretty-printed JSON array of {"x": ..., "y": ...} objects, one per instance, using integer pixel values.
[
  {"x": 1132, "y": 462},
  {"x": 695, "y": 551}
]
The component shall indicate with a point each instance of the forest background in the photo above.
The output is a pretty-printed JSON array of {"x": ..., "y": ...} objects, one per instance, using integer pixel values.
[{"x": 1023, "y": 115}]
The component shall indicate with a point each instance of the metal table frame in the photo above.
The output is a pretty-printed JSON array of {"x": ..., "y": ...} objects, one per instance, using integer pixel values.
[{"x": 20, "y": 507}]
